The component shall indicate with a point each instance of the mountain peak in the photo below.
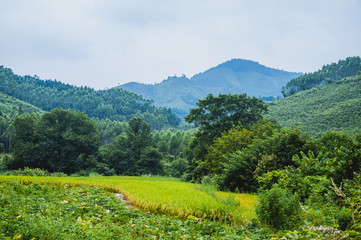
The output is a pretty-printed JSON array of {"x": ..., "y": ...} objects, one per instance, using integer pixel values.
[{"x": 233, "y": 76}]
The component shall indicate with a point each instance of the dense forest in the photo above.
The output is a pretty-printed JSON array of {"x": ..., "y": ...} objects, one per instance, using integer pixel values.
[
  {"x": 115, "y": 104},
  {"x": 329, "y": 73},
  {"x": 70, "y": 142}
]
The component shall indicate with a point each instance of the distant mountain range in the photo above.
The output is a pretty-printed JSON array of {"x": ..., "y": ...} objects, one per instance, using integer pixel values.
[{"x": 234, "y": 76}]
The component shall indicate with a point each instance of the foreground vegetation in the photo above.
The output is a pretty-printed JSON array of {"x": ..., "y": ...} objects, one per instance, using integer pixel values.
[
  {"x": 34, "y": 211},
  {"x": 165, "y": 195},
  {"x": 81, "y": 208}
]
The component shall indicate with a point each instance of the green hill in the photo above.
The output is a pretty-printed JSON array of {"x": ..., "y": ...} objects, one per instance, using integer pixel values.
[
  {"x": 115, "y": 104},
  {"x": 331, "y": 106},
  {"x": 234, "y": 76},
  {"x": 329, "y": 73},
  {"x": 10, "y": 106}
]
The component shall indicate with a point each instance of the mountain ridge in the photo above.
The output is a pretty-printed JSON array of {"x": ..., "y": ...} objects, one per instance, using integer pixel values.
[{"x": 233, "y": 76}]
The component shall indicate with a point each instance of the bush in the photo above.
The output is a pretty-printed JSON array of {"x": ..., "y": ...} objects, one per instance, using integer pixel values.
[
  {"x": 6, "y": 161},
  {"x": 175, "y": 168},
  {"x": 31, "y": 172},
  {"x": 186, "y": 177},
  {"x": 58, "y": 174},
  {"x": 208, "y": 186},
  {"x": 279, "y": 209}
]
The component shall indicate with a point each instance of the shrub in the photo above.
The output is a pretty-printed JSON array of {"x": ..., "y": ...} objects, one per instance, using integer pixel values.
[
  {"x": 95, "y": 174},
  {"x": 31, "y": 172},
  {"x": 279, "y": 209},
  {"x": 175, "y": 168},
  {"x": 208, "y": 186},
  {"x": 186, "y": 177},
  {"x": 58, "y": 174}
]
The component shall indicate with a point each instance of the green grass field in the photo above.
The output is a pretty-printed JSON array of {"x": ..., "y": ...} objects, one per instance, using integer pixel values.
[{"x": 164, "y": 196}]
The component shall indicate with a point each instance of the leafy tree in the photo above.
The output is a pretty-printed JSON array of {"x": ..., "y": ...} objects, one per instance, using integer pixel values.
[
  {"x": 149, "y": 161},
  {"x": 60, "y": 141},
  {"x": 175, "y": 168},
  {"x": 263, "y": 155},
  {"x": 25, "y": 142},
  {"x": 236, "y": 139},
  {"x": 216, "y": 115},
  {"x": 138, "y": 136},
  {"x": 133, "y": 154}
]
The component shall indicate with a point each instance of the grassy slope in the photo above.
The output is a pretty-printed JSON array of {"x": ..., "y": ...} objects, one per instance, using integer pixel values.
[
  {"x": 163, "y": 195},
  {"x": 334, "y": 106},
  {"x": 9, "y": 104}
]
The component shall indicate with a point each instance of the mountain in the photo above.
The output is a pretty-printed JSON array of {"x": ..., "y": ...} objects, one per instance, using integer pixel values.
[
  {"x": 334, "y": 105},
  {"x": 114, "y": 104},
  {"x": 234, "y": 76}
]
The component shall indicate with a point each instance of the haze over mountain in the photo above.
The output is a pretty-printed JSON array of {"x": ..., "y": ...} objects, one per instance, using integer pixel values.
[{"x": 234, "y": 76}]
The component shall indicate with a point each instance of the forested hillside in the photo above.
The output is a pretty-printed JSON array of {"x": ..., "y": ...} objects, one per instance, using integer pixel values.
[
  {"x": 10, "y": 105},
  {"x": 335, "y": 105},
  {"x": 115, "y": 104},
  {"x": 329, "y": 73},
  {"x": 234, "y": 76}
]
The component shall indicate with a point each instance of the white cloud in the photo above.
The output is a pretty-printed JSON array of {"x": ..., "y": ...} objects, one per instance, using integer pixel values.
[{"x": 103, "y": 43}]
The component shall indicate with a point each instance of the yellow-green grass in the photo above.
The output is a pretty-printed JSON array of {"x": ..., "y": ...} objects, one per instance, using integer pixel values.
[{"x": 162, "y": 195}]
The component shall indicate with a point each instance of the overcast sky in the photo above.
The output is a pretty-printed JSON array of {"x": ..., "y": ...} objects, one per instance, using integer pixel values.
[{"x": 103, "y": 43}]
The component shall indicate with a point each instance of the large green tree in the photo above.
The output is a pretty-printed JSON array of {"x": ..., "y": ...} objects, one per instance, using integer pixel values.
[
  {"x": 60, "y": 141},
  {"x": 217, "y": 115}
]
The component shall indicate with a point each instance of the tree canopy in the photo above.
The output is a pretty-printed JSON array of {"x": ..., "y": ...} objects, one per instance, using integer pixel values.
[
  {"x": 134, "y": 153},
  {"x": 216, "y": 115},
  {"x": 60, "y": 141}
]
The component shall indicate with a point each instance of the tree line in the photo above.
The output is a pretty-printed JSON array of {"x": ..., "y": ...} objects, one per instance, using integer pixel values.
[
  {"x": 329, "y": 73},
  {"x": 115, "y": 104},
  {"x": 68, "y": 141}
]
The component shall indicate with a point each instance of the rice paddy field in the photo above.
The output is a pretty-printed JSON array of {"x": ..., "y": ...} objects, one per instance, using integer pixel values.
[{"x": 89, "y": 204}]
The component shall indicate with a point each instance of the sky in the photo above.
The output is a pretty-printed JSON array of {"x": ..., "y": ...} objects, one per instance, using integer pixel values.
[{"x": 104, "y": 43}]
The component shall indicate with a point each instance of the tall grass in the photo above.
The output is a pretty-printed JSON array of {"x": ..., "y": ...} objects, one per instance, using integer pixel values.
[{"x": 163, "y": 195}]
